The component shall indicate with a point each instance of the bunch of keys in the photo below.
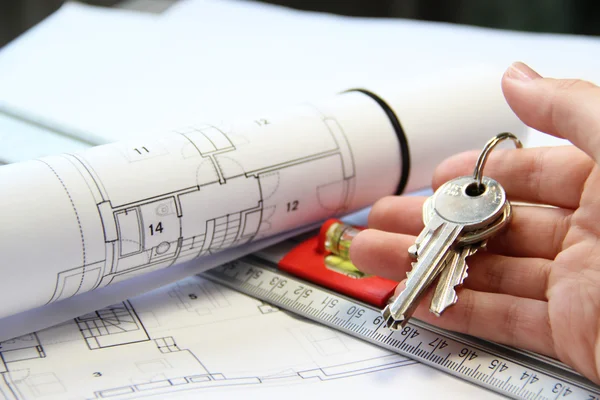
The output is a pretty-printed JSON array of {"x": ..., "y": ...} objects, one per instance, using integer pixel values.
[{"x": 459, "y": 219}]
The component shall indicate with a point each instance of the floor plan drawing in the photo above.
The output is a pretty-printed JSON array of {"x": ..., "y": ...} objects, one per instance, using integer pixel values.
[
  {"x": 156, "y": 225},
  {"x": 116, "y": 211},
  {"x": 112, "y": 326},
  {"x": 181, "y": 338}
]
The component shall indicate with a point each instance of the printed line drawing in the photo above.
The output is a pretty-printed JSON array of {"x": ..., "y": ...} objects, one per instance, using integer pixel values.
[
  {"x": 116, "y": 325},
  {"x": 187, "y": 296},
  {"x": 153, "y": 345},
  {"x": 113, "y": 212},
  {"x": 176, "y": 218},
  {"x": 26, "y": 347}
]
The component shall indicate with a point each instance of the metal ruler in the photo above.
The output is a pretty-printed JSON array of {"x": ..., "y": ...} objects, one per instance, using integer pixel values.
[{"x": 513, "y": 373}]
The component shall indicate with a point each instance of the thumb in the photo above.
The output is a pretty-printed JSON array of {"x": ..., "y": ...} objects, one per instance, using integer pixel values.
[{"x": 566, "y": 108}]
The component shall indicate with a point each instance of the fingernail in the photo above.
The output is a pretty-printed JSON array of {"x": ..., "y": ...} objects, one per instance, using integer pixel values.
[{"x": 521, "y": 72}]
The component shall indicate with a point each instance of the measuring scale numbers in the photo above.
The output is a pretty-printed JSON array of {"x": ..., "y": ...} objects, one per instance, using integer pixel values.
[{"x": 315, "y": 279}]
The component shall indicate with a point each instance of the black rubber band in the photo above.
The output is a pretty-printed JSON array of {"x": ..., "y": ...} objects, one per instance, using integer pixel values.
[{"x": 404, "y": 151}]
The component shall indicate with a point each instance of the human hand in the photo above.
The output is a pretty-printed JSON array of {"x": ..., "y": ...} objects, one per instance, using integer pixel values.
[{"x": 538, "y": 285}]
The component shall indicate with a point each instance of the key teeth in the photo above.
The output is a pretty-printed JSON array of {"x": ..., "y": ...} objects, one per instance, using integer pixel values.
[
  {"x": 462, "y": 280},
  {"x": 409, "y": 273},
  {"x": 438, "y": 308},
  {"x": 413, "y": 251}
]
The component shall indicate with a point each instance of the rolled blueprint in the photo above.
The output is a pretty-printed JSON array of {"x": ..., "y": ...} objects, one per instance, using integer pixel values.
[{"x": 77, "y": 222}]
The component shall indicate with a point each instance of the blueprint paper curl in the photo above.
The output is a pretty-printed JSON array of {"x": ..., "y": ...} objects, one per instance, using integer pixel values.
[{"x": 78, "y": 222}]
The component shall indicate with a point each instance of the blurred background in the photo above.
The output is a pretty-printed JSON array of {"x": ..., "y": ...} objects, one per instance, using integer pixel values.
[{"x": 556, "y": 16}]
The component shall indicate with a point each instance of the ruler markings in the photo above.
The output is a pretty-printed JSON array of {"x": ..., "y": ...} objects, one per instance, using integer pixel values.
[{"x": 539, "y": 377}]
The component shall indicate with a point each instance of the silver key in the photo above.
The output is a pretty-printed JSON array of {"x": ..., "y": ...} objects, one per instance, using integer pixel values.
[
  {"x": 454, "y": 212},
  {"x": 455, "y": 270},
  {"x": 473, "y": 237},
  {"x": 464, "y": 209},
  {"x": 453, "y": 274}
]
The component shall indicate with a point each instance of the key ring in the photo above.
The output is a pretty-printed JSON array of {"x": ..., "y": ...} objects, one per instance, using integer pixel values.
[{"x": 489, "y": 146}]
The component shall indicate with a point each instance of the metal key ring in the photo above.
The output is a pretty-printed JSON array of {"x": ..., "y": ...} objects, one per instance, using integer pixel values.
[{"x": 489, "y": 146}]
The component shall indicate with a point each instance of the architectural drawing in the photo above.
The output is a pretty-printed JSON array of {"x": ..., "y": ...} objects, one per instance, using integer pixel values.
[
  {"x": 115, "y": 211},
  {"x": 177, "y": 219},
  {"x": 152, "y": 345},
  {"x": 116, "y": 325}
]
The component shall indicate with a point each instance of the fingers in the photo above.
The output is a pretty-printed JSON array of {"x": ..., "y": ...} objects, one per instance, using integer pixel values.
[
  {"x": 563, "y": 108},
  {"x": 384, "y": 254},
  {"x": 500, "y": 318},
  {"x": 519, "y": 277},
  {"x": 398, "y": 214},
  {"x": 546, "y": 175},
  {"x": 533, "y": 232}
]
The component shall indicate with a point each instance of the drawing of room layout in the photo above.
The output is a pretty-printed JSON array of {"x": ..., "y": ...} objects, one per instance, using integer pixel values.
[
  {"x": 183, "y": 337},
  {"x": 143, "y": 206}
]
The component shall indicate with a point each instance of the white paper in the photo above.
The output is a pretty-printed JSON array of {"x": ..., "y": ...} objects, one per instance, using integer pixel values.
[
  {"x": 119, "y": 210},
  {"x": 196, "y": 339},
  {"x": 113, "y": 212},
  {"x": 120, "y": 77},
  {"x": 365, "y": 45},
  {"x": 87, "y": 55},
  {"x": 101, "y": 75},
  {"x": 24, "y": 141},
  {"x": 90, "y": 22}
]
